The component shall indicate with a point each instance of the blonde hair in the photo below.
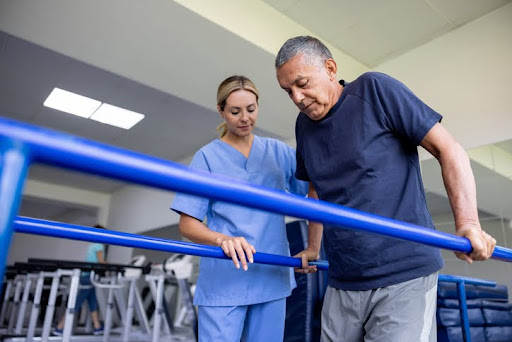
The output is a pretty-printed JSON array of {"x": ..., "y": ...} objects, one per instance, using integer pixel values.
[{"x": 229, "y": 85}]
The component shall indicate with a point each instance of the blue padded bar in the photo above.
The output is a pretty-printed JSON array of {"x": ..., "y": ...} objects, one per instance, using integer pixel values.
[
  {"x": 452, "y": 334},
  {"x": 497, "y": 317},
  {"x": 451, "y": 317}
]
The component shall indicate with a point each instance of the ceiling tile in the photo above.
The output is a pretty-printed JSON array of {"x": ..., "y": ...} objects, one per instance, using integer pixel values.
[
  {"x": 283, "y": 5},
  {"x": 17, "y": 106},
  {"x": 463, "y": 11},
  {"x": 87, "y": 80},
  {"x": 506, "y": 145},
  {"x": 373, "y": 31},
  {"x": 57, "y": 120},
  {"x": 28, "y": 69}
]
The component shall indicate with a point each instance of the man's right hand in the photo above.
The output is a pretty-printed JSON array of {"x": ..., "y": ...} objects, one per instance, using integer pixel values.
[{"x": 306, "y": 256}]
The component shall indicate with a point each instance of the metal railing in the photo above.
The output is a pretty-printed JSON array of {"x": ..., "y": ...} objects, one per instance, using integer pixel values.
[
  {"x": 22, "y": 144},
  {"x": 69, "y": 231}
]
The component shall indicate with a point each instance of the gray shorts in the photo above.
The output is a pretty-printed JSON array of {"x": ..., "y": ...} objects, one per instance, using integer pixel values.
[{"x": 402, "y": 312}]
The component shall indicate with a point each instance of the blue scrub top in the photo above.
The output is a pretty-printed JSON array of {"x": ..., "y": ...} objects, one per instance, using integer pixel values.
[{"x": 271, "y": 164}]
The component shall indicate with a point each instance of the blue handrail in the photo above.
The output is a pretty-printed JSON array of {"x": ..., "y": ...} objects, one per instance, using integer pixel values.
[
  {"x": 75, "y": 232},
  {"x": 59, "y": 149},
  {"x": 467, "y": 280}
]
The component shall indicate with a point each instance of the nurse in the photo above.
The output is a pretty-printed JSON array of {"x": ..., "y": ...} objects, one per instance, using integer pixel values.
[{"x": 238, "y": 300}]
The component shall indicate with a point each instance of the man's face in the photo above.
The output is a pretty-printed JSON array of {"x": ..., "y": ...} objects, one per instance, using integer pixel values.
[{"x": 309, "y": 85}]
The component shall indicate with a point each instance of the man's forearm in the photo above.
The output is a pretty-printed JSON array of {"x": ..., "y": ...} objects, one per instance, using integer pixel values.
[
  {"x": 315, "y": 231},
  {"x": 460, "y": 186}
]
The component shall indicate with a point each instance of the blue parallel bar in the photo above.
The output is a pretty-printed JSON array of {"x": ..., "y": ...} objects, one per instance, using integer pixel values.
[
  {"x": 13, "y": 170},
  {"x": 76, "y": 153},
  {"x": 75, "y": 232}
]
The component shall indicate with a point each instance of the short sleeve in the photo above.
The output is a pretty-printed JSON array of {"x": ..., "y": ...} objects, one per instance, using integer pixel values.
[
  {"x": 193, "y": 205},
  {"x": 300, "y": 171},
  {"x": 92, "y": 252},
  {"x": 404, "y": 113},
  {"x": 97, "y": 247},
  {"x": 295, "y": 185}
]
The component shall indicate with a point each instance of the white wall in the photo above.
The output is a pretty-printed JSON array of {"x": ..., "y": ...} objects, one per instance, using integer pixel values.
[
  {"x": 24, "y": 246},
  {"x": 70, "y": 195},
  {"x": 466, "y": 75},
  {"x": 135, "y": 209}
]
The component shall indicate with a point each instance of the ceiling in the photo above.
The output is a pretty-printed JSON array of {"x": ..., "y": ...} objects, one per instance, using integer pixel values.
[
  {"x": 30, "y": 72},
  {"x": 178, "y": 123},
  {"x": 372, "y": 31}
]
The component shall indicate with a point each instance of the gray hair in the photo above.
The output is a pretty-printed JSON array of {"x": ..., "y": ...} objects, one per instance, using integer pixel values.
[{"x": 308, "y": 46}]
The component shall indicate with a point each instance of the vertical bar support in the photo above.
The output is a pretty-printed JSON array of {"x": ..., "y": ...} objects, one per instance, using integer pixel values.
[
  {"x": 13, "y": 170},
  {"x": 6, "y": 302},
  {"x": 159, "y": 310},
  {"x": 23, "y": 305},
  {"x": 129, "y": 312},
  {"x": 34, "y": 315},
  {"x": 110, "y": 309},
  {"x": 70, "y": 311},
  {"x": 50, "y": 307},
  {"x": 464, "y": 319}
]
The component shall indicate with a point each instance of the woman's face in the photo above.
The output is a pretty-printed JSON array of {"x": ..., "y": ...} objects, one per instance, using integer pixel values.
[{"x": 240, "y": 113}]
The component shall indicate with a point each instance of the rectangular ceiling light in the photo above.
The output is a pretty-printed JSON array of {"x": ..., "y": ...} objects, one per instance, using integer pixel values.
[
  {"x": 116, "y": 116},
  {"x": 71, "y": 103}
]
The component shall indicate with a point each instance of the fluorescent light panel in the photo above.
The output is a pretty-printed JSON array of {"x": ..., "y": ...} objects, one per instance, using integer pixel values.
[
  {"x": 71, "y": 103},
  {"x": 116, "y": 116},
  {"x": 86, "y": 107}
]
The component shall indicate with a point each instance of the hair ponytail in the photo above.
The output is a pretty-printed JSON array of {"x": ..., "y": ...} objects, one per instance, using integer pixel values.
[{"x": 223, "y": 129}]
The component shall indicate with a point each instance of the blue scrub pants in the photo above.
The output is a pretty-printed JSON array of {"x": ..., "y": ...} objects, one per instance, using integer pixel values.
[{"x": 262, "y": 322}]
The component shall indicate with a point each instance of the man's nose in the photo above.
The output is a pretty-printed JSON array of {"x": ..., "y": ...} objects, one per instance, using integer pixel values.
[{"x": 297, "y": 97}]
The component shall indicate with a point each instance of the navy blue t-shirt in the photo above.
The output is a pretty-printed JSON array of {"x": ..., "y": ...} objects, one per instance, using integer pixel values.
[{"x": 363, "y": 155}]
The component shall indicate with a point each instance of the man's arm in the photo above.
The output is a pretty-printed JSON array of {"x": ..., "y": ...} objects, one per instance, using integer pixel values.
[
  {"x": 315, "y": 231},
  {"x": 460, "y": 186}
]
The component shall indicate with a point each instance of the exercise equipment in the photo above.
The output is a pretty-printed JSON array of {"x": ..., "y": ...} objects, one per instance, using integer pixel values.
[
  {"x": 104, "y": 276},
  {"x": 26, "y": 273},
  {"x": 181, "y": 267}
]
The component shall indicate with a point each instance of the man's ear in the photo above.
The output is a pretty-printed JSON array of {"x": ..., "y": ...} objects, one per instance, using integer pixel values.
[{"x": 331, "y": 67}]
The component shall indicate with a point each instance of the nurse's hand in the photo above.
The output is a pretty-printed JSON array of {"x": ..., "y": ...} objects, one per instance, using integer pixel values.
[
  {"x": 238, "y": 249},
  {"x": 306, "y": 256}
]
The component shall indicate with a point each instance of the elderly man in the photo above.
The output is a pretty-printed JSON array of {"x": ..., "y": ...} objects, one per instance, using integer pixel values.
[{"x": 357, "y": 146}]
